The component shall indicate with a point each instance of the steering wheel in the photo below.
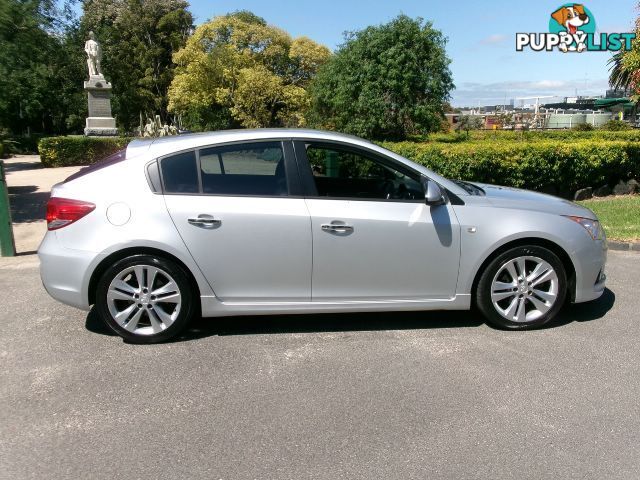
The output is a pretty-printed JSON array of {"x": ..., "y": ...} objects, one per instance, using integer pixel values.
[{"x": 389, "y": 189}]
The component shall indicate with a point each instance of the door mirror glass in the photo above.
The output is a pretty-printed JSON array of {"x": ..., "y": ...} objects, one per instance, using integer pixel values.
[{"x": 432, "y": 192}]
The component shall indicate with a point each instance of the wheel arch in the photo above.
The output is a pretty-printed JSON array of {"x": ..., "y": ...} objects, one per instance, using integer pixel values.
[
  {"x": 564, "y": 257},
  {"x": 127, "y": 252}
]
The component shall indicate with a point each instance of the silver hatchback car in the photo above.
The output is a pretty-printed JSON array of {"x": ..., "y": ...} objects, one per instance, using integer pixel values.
[{"x": 283, "y": 221}]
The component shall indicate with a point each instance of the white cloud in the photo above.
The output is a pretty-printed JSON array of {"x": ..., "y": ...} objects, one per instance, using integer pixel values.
[
  {"x": 494, "y": 39},
  {"x": 546, "y": 84}
]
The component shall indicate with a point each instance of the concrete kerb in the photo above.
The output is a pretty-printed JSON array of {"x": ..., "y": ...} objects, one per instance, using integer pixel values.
[{"x": 624, "y": 246}]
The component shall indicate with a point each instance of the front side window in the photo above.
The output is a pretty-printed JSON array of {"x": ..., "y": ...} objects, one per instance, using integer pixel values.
[
  {"x": 247, "y": 169},
  {"x": 347, "y": 173}
]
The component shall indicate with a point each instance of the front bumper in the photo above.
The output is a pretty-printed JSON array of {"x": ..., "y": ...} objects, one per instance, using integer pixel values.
[
  {"x": 65, "y": 272},
  {"x": 590, "y": 270}
]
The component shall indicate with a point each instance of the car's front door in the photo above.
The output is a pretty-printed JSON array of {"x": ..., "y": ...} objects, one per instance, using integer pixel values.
[
  {"x": 233, "y": 208},
  {"x": 374, "y": 238}
]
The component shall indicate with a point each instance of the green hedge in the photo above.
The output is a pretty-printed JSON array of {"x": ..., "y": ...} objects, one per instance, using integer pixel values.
[
  {"x": 78, "y": 150},
  {"x": 555, "y": 167},
  {"x": 533, "y": 136}
]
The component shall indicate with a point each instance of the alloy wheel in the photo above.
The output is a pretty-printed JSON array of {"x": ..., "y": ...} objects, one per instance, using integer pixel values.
[
  {"x": 524, "y": 289},
  {"x": 144, "y": 299}
]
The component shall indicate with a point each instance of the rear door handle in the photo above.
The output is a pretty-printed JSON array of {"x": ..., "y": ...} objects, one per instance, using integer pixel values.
[
  {"x": 204, "y": 220},
  {"x": 337, "y": 228}
]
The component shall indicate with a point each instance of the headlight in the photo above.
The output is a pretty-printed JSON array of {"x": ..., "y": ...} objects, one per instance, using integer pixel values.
[{"x": 591, "y": 226}]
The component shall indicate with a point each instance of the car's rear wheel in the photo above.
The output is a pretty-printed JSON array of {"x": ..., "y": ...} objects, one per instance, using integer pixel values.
[
  {"x": 524, "y": 287},
  {"x": 145, "y": 298}
]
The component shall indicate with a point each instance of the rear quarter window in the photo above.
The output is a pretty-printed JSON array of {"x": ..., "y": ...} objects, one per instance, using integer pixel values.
[{"x": 179, "y": 173}]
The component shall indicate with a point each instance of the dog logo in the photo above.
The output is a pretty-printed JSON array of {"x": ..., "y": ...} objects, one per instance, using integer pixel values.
[
  {"x": 573, "y": 22},
  {"x": 572, "y": 28}
]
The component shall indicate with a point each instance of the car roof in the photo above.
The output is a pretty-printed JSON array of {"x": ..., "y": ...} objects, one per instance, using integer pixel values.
[{"x": 158, "y": 147}]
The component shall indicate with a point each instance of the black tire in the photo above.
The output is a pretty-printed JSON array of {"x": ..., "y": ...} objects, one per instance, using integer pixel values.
[
  {"x": 485, "y": 304},
  {"x": 168, "y": 270}
]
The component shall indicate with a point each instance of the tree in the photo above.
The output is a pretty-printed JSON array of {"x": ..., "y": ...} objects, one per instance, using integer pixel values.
[
  {"x": 34, "y": 61},
  {"x": 139, "y": 38},
  {"x": 624, "y": 66},
  {"x": 469, "y": 122},
  {"x": 238, "y": 70},
  {"x": 619, "y": 77},
  {"x": 385, "y": 82}
]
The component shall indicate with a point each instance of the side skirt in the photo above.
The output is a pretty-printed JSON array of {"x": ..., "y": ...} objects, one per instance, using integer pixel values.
[{"x": 212, "y": 307}]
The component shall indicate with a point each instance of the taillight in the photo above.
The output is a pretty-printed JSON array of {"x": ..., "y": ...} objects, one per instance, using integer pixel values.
[{"x": 64, "y": 211}]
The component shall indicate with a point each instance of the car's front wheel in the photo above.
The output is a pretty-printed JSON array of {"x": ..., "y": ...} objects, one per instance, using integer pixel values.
[
  {"x": 145, "y": 298},
  {"x": 524, "y": 287}
]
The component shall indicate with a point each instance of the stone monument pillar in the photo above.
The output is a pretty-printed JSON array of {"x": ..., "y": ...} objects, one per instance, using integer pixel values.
[{"x": 99, "y": 122}]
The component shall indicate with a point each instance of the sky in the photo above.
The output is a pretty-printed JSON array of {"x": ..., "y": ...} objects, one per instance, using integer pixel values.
[{"x": 481, "y": 39}]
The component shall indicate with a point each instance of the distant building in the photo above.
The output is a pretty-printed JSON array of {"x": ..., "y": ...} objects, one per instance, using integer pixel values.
[
  {"x": 618, "y": 93},
  {"x": 582, "y": 99}
]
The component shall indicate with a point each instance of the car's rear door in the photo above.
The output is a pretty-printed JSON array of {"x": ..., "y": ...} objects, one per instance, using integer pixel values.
[
  {"x": 236, "y": 210},
  {"x": 374, "y": 238}
]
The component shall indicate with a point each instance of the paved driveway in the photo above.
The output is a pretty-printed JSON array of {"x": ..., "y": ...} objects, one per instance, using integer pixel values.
[
  {"x": 29, "y": 188},
  {"x": 419, "y": 395}
]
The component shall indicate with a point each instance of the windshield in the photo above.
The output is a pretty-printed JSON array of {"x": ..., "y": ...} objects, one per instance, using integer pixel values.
[{"x": 470, "y": 188}]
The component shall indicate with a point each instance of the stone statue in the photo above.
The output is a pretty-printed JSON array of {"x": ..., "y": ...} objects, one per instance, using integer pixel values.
[
  {"x": 99, "y": 121},
  {"x": 94, "y": 54}
]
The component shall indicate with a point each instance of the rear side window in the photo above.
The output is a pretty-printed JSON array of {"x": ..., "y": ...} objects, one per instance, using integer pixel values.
[
  {"x": 246, "y": 169},
  {"x": 180, "y": 173}
]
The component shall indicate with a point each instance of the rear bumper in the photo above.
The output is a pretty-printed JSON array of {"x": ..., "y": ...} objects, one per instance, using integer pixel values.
[{"x": 64, "y": 272}]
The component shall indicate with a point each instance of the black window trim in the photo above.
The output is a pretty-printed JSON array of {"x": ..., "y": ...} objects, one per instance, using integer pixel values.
[
  {"x": 291, "y": 169},
  {"x": 306, "y": 174},
  {"x": 152, "y": 173}
]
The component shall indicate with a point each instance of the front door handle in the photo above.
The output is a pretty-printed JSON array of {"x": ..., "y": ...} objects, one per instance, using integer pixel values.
[
  {"x": 204, "y": 221},
  {"x": 337, "y": 228}
]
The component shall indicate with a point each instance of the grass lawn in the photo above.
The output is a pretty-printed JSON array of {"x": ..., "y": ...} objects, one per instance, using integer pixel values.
[{"x": 620, "y": 216}]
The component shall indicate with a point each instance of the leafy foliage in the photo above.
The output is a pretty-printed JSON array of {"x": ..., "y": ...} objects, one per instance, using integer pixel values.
[
  {"x": 619, "y": 77},
  {"x": 78, "y": 150},
  {"x": 624, "y": 66},
  {"x": 616, "y": 126},
  {"x": 388, "y": 81},
  {"x": 36, "y": 61},
  {"x": 583, "y": 127},
  {"x": 469, "y": 122},
  {"x": 239, "y": 64}
]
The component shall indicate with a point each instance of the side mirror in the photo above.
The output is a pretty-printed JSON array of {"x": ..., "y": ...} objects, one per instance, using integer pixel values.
[{"x": 432, "y": 192}]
